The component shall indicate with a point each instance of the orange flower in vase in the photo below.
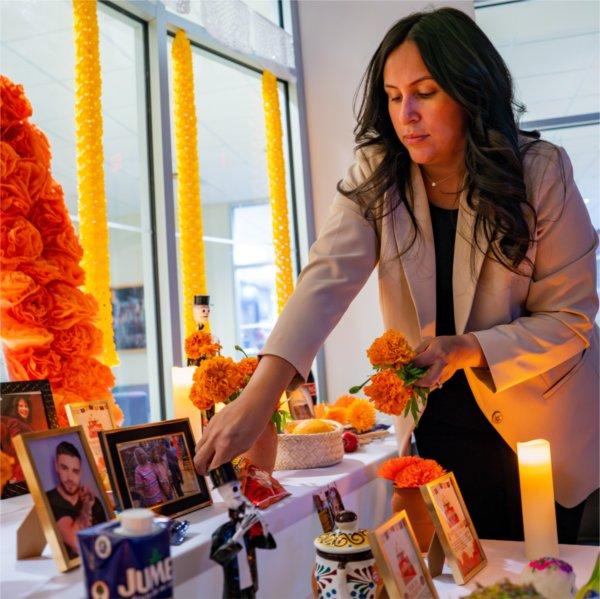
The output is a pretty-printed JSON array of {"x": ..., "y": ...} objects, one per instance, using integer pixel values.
[{"x": 408, "y": 473}]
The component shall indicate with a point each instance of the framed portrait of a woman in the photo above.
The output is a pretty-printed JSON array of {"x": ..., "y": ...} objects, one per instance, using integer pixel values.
[{"x": 25, "y": 407}]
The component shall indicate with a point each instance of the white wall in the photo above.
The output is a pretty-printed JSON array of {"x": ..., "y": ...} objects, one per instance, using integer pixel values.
[{"x": 338, "y": 40}]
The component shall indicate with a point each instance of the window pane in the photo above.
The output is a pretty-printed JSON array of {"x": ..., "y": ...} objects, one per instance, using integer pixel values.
[
  {"x": 267, "y": 8},
  {"x": 235, "y": 199},
  {"x": 552, "y": 50},
  {"x": 37, "y": 51}
]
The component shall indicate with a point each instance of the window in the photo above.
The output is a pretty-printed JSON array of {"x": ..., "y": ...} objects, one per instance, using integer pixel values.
[
  {"x": 552, "y": 50},
  {"x": 37, "y": 51},
  {"x": 235, "y": 200}
]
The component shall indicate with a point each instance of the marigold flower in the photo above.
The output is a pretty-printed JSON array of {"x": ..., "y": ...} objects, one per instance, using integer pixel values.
[
  {"x": 410, "y": 471},
  {"x": 247, "y": 366},
  {"x": 201, "y": 401},
  {"x": 391, "y": 349},
  {"x": 388, "y": 393},
  {"x": 201, "y": 345},
  {"x": 361, "y": 415},
  {"x": 338, "y": 414},
  {"x": 344, "y": 401},
  {"x": 217, "y": 379}
]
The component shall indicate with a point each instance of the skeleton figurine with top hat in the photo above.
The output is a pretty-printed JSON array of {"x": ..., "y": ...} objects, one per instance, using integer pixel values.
[{"x": 234, "y": 543}]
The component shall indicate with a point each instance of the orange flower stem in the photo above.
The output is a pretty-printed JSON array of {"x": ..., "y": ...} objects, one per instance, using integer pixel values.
[{"x": 355, "y": 390}]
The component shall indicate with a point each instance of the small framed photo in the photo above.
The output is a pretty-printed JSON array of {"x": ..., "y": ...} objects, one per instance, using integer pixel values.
[
  {"x": 454, "y": 527},
  {"x": 25, "y": 407},
  {"x": 300, "y": 403},
  {"x": 66, "y": 488},
  {"x": 93, "y": 417},
  {"x": 151, "y": 466},
  {"x": 399, "y": 559}
]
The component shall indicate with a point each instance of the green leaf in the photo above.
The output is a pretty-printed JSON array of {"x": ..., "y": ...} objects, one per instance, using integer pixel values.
[
  {"x": 407, "y": 409},
  {"x": 414, "y": 409},
  {"x": 354, "y": 390}
]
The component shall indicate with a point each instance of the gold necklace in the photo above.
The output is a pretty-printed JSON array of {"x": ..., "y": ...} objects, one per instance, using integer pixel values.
[{"x": 436, "y": 183}]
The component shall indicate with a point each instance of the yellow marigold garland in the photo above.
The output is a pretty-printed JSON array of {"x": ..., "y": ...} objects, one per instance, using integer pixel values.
[
  {"x": 284, "y": 282},
  {"x": 93, "y": 226},
  {"x": 189, "y": 210}
]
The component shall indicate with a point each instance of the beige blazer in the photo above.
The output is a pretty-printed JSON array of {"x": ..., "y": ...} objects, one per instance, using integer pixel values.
[{"x": 537, "y": 332}]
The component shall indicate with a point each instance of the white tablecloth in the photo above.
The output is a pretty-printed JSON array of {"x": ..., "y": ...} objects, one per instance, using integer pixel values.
[{"x": 283, "y": 573}]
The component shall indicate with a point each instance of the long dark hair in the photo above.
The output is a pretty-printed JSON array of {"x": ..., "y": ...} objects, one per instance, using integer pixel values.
[{"x": 463, "y": 61}]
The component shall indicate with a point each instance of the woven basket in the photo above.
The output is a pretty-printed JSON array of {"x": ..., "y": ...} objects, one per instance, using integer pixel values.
[{"x": 296, "y": 452}]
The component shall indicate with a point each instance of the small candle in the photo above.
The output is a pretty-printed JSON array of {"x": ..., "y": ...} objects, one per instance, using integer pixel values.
[
  {"x": 537, "y": 499},
  {"x": 183, "y": 407}
]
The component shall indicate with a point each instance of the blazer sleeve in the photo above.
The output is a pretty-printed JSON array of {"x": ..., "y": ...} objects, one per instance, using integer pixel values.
[
  {"x": 562, "y": 300},
  {"x": 340, "y": 262}
]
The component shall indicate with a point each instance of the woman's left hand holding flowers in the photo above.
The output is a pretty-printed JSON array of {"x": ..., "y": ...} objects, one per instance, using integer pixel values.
[{"x": 446, "y": 354}]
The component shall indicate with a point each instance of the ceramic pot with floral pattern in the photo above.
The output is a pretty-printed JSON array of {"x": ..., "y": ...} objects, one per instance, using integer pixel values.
[{"x": 345, "y": 568}]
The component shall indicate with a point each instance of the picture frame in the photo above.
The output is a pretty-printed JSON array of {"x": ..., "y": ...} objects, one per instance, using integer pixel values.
[
  {"x": 93, "y": 417},
  {"x": 59, "y": 467},
  {"x": 129, "y": 317},
  {"x": 454, "y": 528},
  {"x": 150, "y": 465},
  {"x": 16, "y": 398},
  {"x": 402, "y": 567}
]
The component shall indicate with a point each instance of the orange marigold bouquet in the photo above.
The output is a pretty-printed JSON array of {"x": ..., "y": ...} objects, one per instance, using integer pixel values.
[
  {"x": 391, "y": 388},
  {"x": 220, "y": 379},
  {"x": 409, "y": 472}
]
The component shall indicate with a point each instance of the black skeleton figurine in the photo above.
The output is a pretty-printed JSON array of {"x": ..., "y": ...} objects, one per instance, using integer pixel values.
[{"x": 234, "y": 543}]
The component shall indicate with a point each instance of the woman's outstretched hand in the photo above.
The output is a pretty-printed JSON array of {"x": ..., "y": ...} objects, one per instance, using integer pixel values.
[
  {"x": 446, "y": 354},
  {"x": 234, "y": 429}
]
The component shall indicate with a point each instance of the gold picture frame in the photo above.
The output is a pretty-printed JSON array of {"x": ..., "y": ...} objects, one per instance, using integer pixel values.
[
  {"x": 454, "y": 528},
  {"x": 399, "y": 559},
  {"x": 34, "y": 451},
  {"x": 100, "y": 409},
  {"x": 120, "y": 449}
]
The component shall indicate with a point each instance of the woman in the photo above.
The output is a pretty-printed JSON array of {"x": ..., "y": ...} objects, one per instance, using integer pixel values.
[
  {"x": 159, "y": 463},
  {"x": 147, "y": 481},
  {"x": 486, "y": 259},
  {"x": 16, "y": 421}
]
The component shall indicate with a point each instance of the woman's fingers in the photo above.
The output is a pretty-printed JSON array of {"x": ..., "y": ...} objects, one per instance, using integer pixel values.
[
  {"x": 432, "y": 376},
  {"x": 423, "y": 345},
  {"x": 204, "y": 455}
]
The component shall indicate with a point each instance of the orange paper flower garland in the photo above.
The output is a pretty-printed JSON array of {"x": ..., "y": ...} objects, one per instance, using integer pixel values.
[
  {"x": 392, "y": 387},
  {"x": 410, "y": 472},
  {"x": 93, "y": 223},
  {"x": 48, "y": 329}
]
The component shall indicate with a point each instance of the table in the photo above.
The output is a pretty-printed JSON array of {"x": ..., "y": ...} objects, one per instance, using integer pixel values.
[{"x": 285, "y": 572}]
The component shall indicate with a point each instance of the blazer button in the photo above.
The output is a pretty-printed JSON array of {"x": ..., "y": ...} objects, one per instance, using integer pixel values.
[{"x": 497, "y": 417}]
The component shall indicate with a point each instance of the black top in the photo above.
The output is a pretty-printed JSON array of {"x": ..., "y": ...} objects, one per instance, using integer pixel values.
[
  {"x": 61, "y": 508},
  {"x": 452, "y": 408}
]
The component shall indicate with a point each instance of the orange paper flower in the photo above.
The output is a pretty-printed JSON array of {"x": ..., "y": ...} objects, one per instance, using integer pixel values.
[
  {"x": 201, "y": 345},
  {"x": 410, "y": 471},
  {"x": 344, "y": 401},
  {"x": 6, "y": 468},
  {"x": 391, "y": 349},
  {"x": 338, "y": 414},
  {"x": 321, "y": 410},
  {"x": 388, "y": 392},
  {"x": 361, "y": 415}
]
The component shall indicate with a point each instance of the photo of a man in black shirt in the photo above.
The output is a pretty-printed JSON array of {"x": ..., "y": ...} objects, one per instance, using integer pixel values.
[{"x": 74, "y": 505}]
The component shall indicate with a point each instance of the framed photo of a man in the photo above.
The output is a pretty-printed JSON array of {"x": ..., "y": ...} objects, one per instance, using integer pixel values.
[
  {"x": 65, "y": 485},
  {"x": 25, "y": 407}
]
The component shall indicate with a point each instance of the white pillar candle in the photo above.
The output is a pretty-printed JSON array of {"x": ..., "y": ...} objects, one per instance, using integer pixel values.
[
  {"x": 537, "y": 499},
  {"x": 183, "y": 407}
]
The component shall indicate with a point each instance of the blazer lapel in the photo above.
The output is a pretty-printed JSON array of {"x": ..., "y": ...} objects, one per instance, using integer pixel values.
[
  {"x": 466, "y": 269},
  {"x": 419, "y": 260}
]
